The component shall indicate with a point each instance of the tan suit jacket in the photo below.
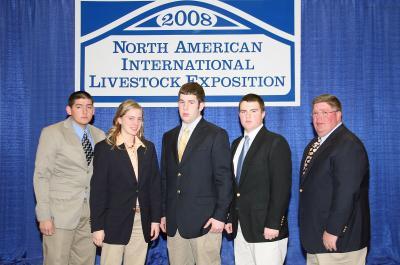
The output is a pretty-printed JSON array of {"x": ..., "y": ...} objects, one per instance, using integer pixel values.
[{"x": 62, "y": 177}]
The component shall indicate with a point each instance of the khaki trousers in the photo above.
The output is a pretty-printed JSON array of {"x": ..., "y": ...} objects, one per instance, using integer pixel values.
[
  {"x": 347, "y": 258},
  {"x": 71, "y": 247},
  {"x": 204, "y": 250},
  {"x": 271, "y": 253},
  {"x": 134, "y": 253}
]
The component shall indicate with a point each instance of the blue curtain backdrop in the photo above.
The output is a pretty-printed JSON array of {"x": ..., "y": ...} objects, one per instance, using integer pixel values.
[{"x": 350, "y": 48}]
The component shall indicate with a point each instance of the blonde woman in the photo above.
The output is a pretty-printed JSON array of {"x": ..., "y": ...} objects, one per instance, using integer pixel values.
[{"x": 125, "y": 200}]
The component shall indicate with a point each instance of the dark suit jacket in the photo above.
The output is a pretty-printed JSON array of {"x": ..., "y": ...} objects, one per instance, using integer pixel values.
[
  {"x": 334, "y": 194},
  {"x": 200, "y": 186},
  {"x": 115, "y": 189},
  {"x": 263, "y": 193}
]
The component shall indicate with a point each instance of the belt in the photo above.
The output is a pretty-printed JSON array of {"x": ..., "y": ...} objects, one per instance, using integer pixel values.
[{"x": 136, "y": 210}]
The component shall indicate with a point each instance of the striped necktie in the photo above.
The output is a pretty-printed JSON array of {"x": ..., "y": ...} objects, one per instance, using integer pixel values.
[{"x": 87, "y": 148}]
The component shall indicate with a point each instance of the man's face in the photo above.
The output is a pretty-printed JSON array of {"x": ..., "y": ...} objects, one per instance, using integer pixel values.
[
  {"x": 82, "y": 111},
  {"x": 189, "y": 108},
  {"x": 251, "y": 115},
  {"x": 325, "y": 118}
]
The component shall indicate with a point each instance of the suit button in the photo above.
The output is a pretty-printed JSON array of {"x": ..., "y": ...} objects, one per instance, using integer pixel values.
[
  {"x": 301, "y": 190},
  {"x": 178, "y": 191},
  {"x": 179, "y": 174},
  {"x": 238, "y": 194}
]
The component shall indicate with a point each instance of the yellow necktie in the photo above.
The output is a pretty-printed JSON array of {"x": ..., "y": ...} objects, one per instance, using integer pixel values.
[{"x": 183, "y": 140}]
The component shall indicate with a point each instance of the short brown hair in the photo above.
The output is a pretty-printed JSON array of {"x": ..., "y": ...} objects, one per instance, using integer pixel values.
[
  {"x": 331, "y": 100},
  {"x": 193, "y": 88},
  {"x": 253, "y": 98},
  {"x": 78, "y": 95}
]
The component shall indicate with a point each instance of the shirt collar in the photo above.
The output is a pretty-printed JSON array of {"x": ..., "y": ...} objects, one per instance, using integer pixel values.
[
  {"x": 191, "y": 125},
  {"x": 253, "y": 133},
  {"x": 79, "y": 130},
  {"x": 138, "y": 142},
  {"x": 323, "y": 138}
]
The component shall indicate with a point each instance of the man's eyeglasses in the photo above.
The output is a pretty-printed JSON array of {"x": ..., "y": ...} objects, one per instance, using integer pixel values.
[{"x": 324, "y": 114}]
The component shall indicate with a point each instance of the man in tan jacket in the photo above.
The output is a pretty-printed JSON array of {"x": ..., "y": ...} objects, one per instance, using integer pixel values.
[{"x": 63, "y": 169}]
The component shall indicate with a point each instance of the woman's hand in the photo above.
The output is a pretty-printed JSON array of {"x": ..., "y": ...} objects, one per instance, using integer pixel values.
[
  {"x": 98, "y": 237},
  {"x": 155, "y": 231}
]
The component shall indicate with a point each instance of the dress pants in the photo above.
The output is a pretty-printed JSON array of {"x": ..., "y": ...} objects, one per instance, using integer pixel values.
[
  {"x": 348, "y": 258},
  {"x": 71, "y": 247},
  {"x": 204, "y": 250},
  {"x": 134, "y": 253},
  {"x": 271, "y": 253}
]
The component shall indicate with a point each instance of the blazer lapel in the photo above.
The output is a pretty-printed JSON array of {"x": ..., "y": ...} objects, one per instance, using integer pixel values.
[
  {"x": 73, "y": 138},
  {"x": 255, "y": 145},
  {"x": 303, "y": 176},
  {"x": 195, "y": 138},
  {"x": 235, "y": 145},
  {"x": 328, "y": 142},
  {"x": 140, "y": 155},
  {"x": 96, "y": 137},
  {"x": 175, "y": 136},
  {"x": 124, "y": 156}
]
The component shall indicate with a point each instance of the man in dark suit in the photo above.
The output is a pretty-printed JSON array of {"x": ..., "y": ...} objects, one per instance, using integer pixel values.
[
  {"x": 263, "y": 169},
  {"x": 334, "y": 208},
  {"x": 197, "y": 183}
]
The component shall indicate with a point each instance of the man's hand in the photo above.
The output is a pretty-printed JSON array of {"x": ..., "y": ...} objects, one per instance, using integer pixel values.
[
  {"x": 228, "y": 228},
  {"x": 270, "y": 234},
  {"x": 155, "y": 231},
  {"x": 329, "y": 241},
  {"x": 98, "y": 237},
  {"x": 163, "y": 224},
  {"x": 47, "y": 227},
  {"x": 216, "y": 226}
]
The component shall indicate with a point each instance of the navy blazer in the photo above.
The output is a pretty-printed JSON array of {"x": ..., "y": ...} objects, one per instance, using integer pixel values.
[
  {"x": 114, "y": 190},
  {"x": 263, "y": 192},
  {"x": 200, "y": 186},
  {"x": 334, "y": 194}
]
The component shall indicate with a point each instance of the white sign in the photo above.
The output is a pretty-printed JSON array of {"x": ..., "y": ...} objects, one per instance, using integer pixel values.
[{"x": 149, "y": 53}]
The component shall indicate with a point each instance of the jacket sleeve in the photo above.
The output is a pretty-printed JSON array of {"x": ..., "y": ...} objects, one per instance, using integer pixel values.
[
  {"x": 280, "y": 183},
  {"x": 222, "y": 161},
  {"x": 163, "y": 177},
  {"x": 350, "y": 166},
  {"x": 44, "y": 166},
  {"x": 98, "y": 187},
  {"x": 156, "y": 188}
]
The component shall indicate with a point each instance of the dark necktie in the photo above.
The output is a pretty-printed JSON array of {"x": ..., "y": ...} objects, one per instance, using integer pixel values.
[
  {"x": 242, "y": 156},
  {"x": 314, "y": 147},
  {"x": 87, "y": 148}
]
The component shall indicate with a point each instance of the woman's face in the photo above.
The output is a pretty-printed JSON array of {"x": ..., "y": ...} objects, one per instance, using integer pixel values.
[{"x": 131, "y": 122}]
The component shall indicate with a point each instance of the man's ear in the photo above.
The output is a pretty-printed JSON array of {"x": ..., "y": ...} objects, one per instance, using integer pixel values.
[
  {"x": 201, "y": 106},
  {"x": 68, "y": 110}
]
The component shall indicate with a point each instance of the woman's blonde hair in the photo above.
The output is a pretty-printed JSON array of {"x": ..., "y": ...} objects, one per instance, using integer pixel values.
[{"x": 115, "y": 130}]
